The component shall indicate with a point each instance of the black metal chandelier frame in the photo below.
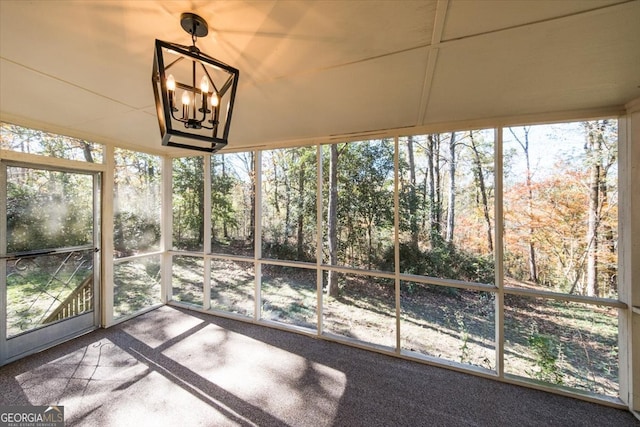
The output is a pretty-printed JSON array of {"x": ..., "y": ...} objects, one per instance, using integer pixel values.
[{"x": 192, "y": 119}]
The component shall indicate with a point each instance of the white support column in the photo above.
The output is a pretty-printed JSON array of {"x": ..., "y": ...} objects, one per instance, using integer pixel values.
[
  {"x": 206, "y": 247},
  {"x": 396, "y": 238},
  {"x": 3, "y": 263},
  {"x": 107, "y": 245},
  {"x": 319, "y": 274},
  {"x": 498, "y": 254},
  {"x": 257, "y": 232},
  {"x": 629, "y": 255},
  {"x": 166, "y": 227}
]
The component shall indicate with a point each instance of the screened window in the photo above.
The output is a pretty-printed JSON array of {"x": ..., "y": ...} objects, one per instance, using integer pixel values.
[
  {"x": 358, "y": 197},
  {"x": 232, "y": 204},
  {"x": 289, "y": 220},
  {"x": 137, "y": 203},
  {"x": 561, "y": 207},
  {"x": 31, "y": 141},
  {"x": 136, "y": 225},
  {"x": 188, "y": 203},
  {"x": 446, "y": 195}
]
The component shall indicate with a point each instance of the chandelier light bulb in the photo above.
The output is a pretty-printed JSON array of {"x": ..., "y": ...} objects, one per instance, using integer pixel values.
[
  {"x": 214, "y": 100},
  {"x": 204, "y": 85},
  {"x": 171, "y": 83},
  {"x": 186, "y": 100}
]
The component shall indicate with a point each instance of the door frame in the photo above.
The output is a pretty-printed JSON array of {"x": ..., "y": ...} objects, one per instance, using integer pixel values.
[{"x": 58, "y": 332}]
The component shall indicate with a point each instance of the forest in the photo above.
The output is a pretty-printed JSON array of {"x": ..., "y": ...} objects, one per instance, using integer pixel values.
[{"x": 559, "y": 201}]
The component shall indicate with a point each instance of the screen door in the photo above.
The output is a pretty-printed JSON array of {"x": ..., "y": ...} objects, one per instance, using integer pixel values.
[{"x": 49, "y": 253}]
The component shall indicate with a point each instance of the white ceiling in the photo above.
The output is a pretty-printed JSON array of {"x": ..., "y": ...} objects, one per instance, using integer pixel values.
[{"x": 313, "y": 69}]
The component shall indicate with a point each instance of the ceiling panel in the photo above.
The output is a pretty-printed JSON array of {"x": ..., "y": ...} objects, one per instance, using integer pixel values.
[
  {"x": 64, "y": 105},
  {"x": 339, "y": 100},
  {"x": 138, "y": 128},
  {"x": 293, "y": 38},
  {"x": 468, "y": 18},
  {"x": 88, "y": 45},
  {"x": 583, "y": 62}
]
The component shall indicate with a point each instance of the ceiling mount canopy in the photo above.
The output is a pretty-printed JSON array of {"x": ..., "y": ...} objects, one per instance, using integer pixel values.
[
  {"x": 194, "y": 24},
  {"x": 194, "y": 92}
]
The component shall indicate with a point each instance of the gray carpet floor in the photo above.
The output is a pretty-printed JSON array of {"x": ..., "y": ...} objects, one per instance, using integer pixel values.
[{"x": 173, "y": 367}]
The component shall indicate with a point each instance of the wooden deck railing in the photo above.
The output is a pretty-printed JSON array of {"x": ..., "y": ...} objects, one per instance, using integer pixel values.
[{"x": 79, "y": 301}]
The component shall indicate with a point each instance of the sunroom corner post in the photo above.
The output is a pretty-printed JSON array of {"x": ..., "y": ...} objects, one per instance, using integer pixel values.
[
  {"x": 319, "y": 242},
  {"x": 396, "y": 239},
  {"x": 166, "y": 229},
  {"x": 3, "y": 262},
  {"x": 257, "y": 233},
  {"x": 107, "y": 216},
  {"x": 498, "y": 251},
  {"x": 206, "y": 282},
  {"x": 629, "y": 262}
]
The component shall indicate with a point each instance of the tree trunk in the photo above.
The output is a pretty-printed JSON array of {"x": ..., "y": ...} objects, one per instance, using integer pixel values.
[
  {"x": 483, "y": 192},
  {"x": 438, "y": 185},
  {"x": 200, "y": 199},
  {"x": 533, "y": 267},
  {"x": 276, "y": 196},
  {"x": 252, "y": 196},
  {"x": 451, "y": 209},
  {"x": 370, "y": 245},
  {"x": 332, "y": 220},
  {"x": 86, "y": 148},
  {"x": 225, "y": 227},
  {"x": 300, "y": 231},
  {"x": 287, "y": 210},
  {"x": 413, "y": 200},
  {"x": 594, "y": 153},
  {"x": 434, "y": 187},
  {"x": 609, "y": 243}
]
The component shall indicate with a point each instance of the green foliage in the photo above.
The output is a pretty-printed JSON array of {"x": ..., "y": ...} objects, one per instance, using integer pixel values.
[
  {"x": 136, "y": 285},
  {"x": 365, "y": 200},
  {"x": 188, "y": 202},
  {"x": 289, "y": 203},
  {"x": 223, "y": 213},
  {"x": 136, "y": 225},
  {"x": 547, "y": 353},
  {"x": 464, "y": 337},
  {"x": 445, "y": 260},
  {"x": 67, "y": 219},
  {"x": 134, "y": 233},
  {"x": 285, "y": 250}
]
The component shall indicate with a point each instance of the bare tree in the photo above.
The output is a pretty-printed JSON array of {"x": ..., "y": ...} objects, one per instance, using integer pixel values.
[
  {"x": 413, "y": 215},
  {"x": 248, "y": 160},
  {"x": 451, "y": 208},
  {"x": 597, "y": 192},
  {"x": 524, "y": 144},
  {"x": 482, "y": 188},
  {"x": 433, "y": 165},
  {"x": 300, "y": 219},
  {"x": 332, "y": 220},
  {"x": 86, "y": 149}
]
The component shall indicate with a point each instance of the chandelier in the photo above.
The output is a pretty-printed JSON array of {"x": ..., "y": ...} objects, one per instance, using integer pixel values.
[{"x": 194, "y": 93}]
